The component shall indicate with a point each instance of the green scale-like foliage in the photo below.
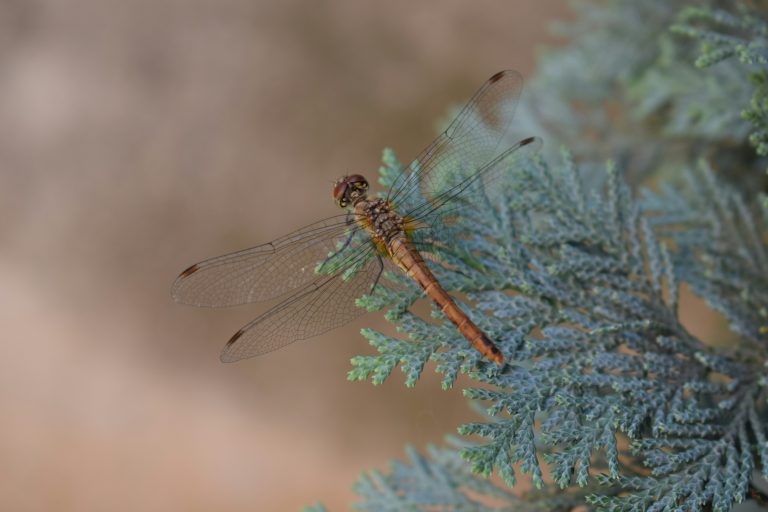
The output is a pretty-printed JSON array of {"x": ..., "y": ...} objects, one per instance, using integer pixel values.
[
  {"x": 606, "y": 398},
  {"x": 444, "y": 482},
  {"x": 579, "y": 288},
  {"x": 740, "y": 35},
  {"x": 630, "y": 86}
]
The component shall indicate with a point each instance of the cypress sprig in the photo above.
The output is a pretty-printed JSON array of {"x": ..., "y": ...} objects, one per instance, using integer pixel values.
[{"x": 582, "y": 297}]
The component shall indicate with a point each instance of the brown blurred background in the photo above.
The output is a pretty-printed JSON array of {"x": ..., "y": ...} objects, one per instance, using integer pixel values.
[{"x": 139, "y": 137}]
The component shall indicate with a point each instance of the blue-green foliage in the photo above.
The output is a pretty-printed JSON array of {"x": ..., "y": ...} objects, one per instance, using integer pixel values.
[
  {"x": 319, "y": 507},
  {"x": 742, "y": 35},
  {"x": 605, "y": 397},
  {"x": 628, "y": 88},
  {"x": 443, "y": 481},
  {"x": 580, "y": 289}
]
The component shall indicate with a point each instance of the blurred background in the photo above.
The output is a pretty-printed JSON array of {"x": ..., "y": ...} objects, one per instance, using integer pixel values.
[{"x": 139, "y": 137}]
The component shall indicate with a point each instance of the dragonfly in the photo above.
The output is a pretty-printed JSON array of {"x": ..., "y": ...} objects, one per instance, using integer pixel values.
[{"x": 320, "y": 270}]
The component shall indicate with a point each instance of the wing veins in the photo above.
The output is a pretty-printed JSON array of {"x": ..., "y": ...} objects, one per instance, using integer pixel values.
[
  {"x": 208, "y": 284},
  {"x": 421, "y": 167},
  {"x": 297, "y": 306},
  {"x": 456, "y": 190}
]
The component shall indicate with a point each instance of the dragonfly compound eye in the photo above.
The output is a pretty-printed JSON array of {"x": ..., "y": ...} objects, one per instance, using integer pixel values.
[
  {"x": 339, "y": 188},
  {"x": 357, "y": 181}
]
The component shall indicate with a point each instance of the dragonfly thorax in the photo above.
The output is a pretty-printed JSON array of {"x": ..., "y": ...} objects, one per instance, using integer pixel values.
[
  {"x": 350, "y": 190},
  {"x": 381, "y": 221}
]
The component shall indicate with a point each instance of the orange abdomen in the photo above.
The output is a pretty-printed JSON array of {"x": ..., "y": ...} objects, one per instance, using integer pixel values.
[{"x": 411, "y": 262}]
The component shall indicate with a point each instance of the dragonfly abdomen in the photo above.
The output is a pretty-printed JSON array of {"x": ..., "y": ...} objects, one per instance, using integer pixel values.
[{"x": 410, "y": 261}]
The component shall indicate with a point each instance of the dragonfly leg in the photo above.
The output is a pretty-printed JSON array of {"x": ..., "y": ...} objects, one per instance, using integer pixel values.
[
  {"x": 378, "y": 276},
  {"x": 350, "y": 221}
]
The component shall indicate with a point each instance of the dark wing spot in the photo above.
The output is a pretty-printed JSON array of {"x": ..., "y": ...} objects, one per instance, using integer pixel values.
[
  {"x": 496, "y": 77},
  {"x": 191, "y": 270},
  {"x": 527, "y": 141},
  {"x": 234, "y": 338}
]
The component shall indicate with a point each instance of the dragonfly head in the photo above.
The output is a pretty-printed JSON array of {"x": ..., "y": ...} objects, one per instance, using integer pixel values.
[{"x": 349, "y": 190}]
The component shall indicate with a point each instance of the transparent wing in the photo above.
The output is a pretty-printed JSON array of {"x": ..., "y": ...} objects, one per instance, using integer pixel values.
[
  {"x": 319, "y": 306},
  {"x": 470, "y": 142},
  {"x": 462, "y": 191},
  {"x": 265, "y": 271}
]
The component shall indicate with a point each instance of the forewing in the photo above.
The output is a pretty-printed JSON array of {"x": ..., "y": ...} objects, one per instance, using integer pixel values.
[
  {"x": 320, "y": 306},
  {"x": 470, "y": 142},
  {"x": 262, "y": 272}
]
